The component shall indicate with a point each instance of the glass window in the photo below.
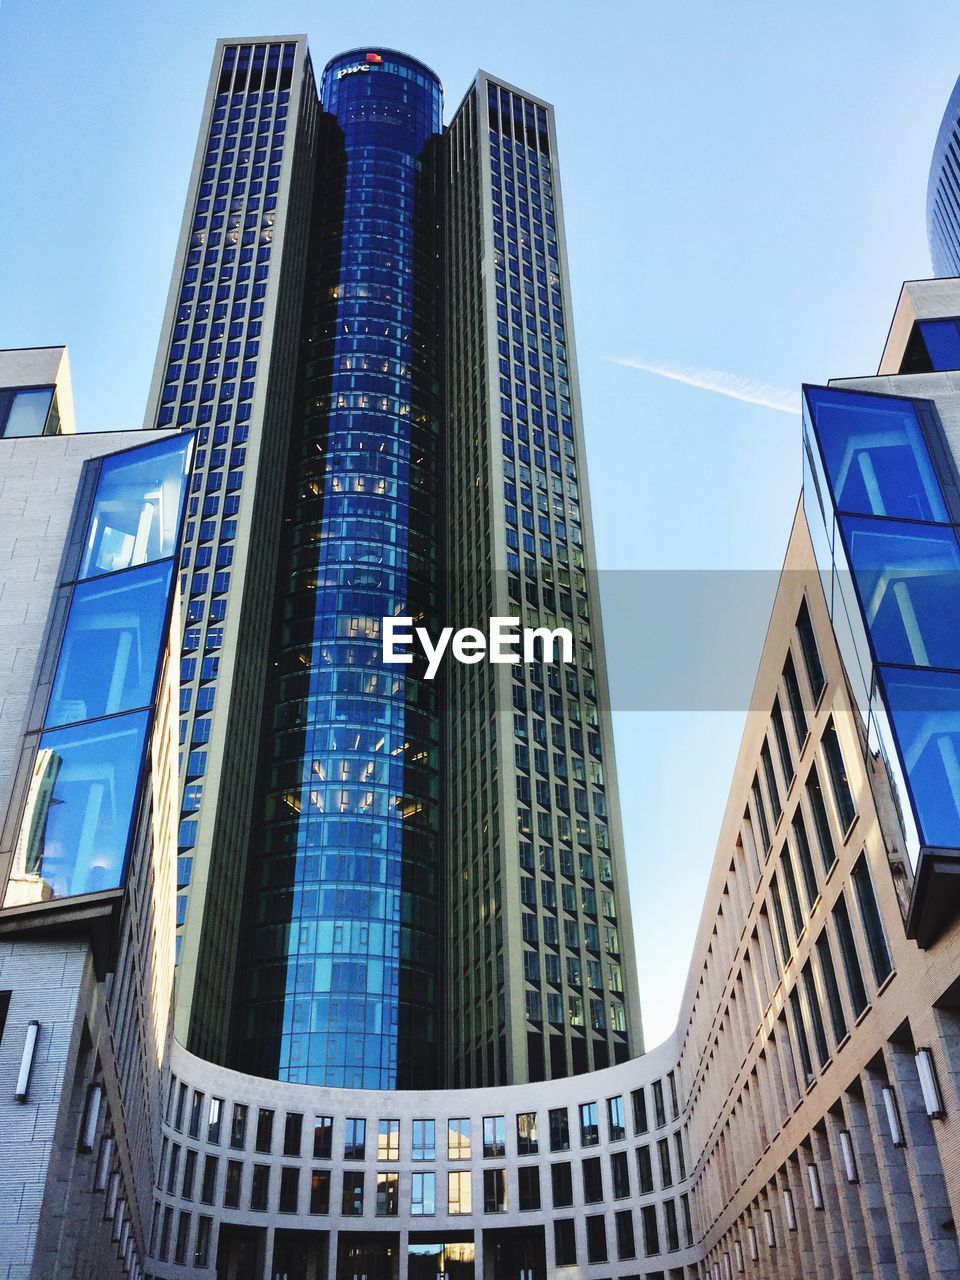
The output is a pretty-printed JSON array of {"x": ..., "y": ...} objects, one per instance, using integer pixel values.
[
  {"x": 214, "y": 1119},
  {"x": 906, "y": 576},
  {"x": 355, "y": 1139},
  {"x": 831, "y": 987},
  {"x": 292, "y": 1129},
  {"x": 423, "y": 1194},
  {"x": 322, "y": 1137},
  {"x": 596, "y": 1238},
  {"x": 769, "y": 774},
  {"x": 620, "y": 1172},
  {"x": 231, "y": 1186},
  {"x": 528, "y": 1187},
  {"x": 651, "y": 1233},
  {"x": 839, "y": 783},
  {"x": 260, "y": 1187},
  {"x": 494, "y": 1136},
  {"x": 805, "y": 858},
  {"x": 923, "y": 709},
  {"x": 565, "y": 1242},
  {"x": 196, "y": 1113},
  {"x": 136, "y": 511},
  {"x": 589, "y": 1124},
  {"x": 815, "y": 1016},
  {"x": 811, "y": 654},
  {"x": 351, "y": 1203},
  {"x": 201, "y": 1250},
  {"x": 424, "y": 1140},
  {"x": 208, "y": 1183},
  {"x": 559, "y": 1130},
  {"x": 821, "y": 823},
  {"x": 561, "y": 1181},
  {"x": 388, "y": 1140},
  {"x": 875, "y": 455},
  {"x": 24, "y": 411},
  {"x": 320, "y": 1191},
  {"x": 851, "y": 961},
  {"x": 458, "y": 1139},
  {"x": 264, "y": 1129},
  {"x": 79, "y": 809},
  {"x": 592, "y": 1180},
  {"x": 527, "y": 1142},
  {"x": 388, "y": 1194},
  {"x": 941, "y": 338},
  {"x": 644, "y": 1170},
  {"x": 238, "y": 1126},
  {"x": 795, "y": 701},
  {"x": 459, "y": 1192},
  {"x": 626, "y": 1245},
  {"x": 494, "y": 1191},
  {"x": 761, "y": 812},
  {"x": 111, "y": 646},
  {"x": 783, "y": 742},
  {"x": 663, "y": 1155},
  {"x": 670, "y": 1217},
  {"x": 615, "y": 1119},
  {"x": 800, "y": 1034},
  {"x": 639, "y": 1100},
  {"x": 872, "y": 923},
  {"x": 289, "y": 1189}
]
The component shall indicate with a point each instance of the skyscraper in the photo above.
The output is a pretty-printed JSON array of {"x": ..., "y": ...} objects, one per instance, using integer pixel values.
[
  {"x": 943, "y": 192},
  {"x": 369, "y": 325}
]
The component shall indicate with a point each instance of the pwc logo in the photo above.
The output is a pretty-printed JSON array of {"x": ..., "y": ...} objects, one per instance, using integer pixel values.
[{"x": 371, "y": 60}]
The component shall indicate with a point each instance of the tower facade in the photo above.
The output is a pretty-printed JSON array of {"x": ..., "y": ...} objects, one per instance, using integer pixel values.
[
  {"x": 943, "y": 192},
  {"x": 369, "y": 327}
]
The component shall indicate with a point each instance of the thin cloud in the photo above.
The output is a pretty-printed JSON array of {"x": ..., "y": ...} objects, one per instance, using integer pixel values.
[{"x": 723, "y": 384}]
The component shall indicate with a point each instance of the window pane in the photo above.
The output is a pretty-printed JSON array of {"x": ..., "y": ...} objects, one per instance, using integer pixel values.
[
  {"x": 111, "y": 646},
  {"x": 923, "y": 709},
  {"x": 875, "y": 455},
  {"x": 26, "y": 412},
  {"x": 136, "y": 512},
  {"x": 872, "y": 923},
  {"x": 908, "y": 579},
  {"x": 80, "y": 803}
]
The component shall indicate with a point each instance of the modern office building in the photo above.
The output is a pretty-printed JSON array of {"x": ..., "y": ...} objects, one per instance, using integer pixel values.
[
  {"x": 385, "y": 879},
  {"x": 943, "y": 192}
]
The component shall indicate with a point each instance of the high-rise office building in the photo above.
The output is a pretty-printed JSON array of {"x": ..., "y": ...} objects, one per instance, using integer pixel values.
[
  {"x": 943, "y": 192},
  {"x": 369, "y": 327}
]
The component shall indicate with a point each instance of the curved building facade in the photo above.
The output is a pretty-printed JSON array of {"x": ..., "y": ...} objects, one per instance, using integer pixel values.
[
  {"x": 943, "y": 192},
  {"x": 340, "y": 966}
]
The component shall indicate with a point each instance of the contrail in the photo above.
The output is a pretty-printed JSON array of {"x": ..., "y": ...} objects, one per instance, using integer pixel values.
[{"x": 724, "y": 384}]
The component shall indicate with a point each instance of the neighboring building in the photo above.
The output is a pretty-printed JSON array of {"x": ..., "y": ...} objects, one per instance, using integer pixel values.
[
  {"x": 90, "y": 526},
  {"x": 943, "y": 192},
  {"x": 336, "y": 810}
]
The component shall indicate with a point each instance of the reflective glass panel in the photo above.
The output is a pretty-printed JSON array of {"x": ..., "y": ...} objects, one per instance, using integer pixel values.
[
  {"x": 136, "y": 513},
  {"x": 942, "y": 340},
  {"x": 908, "y": 578},
  {"x": 875, "y": 455},
  {"x": 111, "y": 645},
  {"x": 925, "y": 709},
  {"x": 80, "y": 802},
  {"x": 24, "y": 413}
]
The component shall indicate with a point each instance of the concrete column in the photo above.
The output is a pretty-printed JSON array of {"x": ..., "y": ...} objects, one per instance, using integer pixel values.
[
  {"x": 869, "y": 1157},
  {"x": 832, "y": 1211},
  {"x": 924, "y": 1166}
]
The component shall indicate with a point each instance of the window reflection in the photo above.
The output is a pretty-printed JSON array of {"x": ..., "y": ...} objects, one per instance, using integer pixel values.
[
  {"x": 80, "y": 804},
  {"x": 925, "y": 708},
  {"x": 108, "y": 659},
  {"x": 136, "y": 511},
  {"x": 875, "y": 455},
  {"x": 26, "y": 412},
  {"x": 908, "y": 577}
]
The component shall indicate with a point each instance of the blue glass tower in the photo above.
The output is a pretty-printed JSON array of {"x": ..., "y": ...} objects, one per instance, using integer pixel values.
[{"x": 339, "y": 985}]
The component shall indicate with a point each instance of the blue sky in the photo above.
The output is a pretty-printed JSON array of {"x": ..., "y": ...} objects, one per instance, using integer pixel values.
[{"x": 744, "y": 188}]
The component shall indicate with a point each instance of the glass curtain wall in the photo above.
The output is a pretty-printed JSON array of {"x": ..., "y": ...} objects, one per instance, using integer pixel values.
[{"x": 343, "y": 899}]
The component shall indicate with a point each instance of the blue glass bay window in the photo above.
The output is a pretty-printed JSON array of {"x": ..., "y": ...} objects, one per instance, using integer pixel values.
[
  {"x": 887, "y": 546},
  {"x": 83, "y": 793}
]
